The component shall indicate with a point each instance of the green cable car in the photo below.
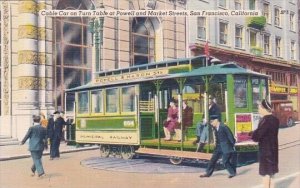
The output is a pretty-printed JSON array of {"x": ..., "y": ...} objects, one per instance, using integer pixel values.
[{"x": 123, "y": 110}]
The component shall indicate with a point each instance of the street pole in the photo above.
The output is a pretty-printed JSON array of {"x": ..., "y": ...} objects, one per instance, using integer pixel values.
[{"x": 96, "y": 28}]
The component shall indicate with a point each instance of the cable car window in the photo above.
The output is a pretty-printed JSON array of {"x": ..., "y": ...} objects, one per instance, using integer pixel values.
[
  {"x": 128, "y": 94},
  {"x": 97, "y": 101},
  {"x": 83, "y": 105},
  {"x": 112, "y": 100},
  {"x": 264, "y": 89},
  {"x": 191, "y": 93},
  {"x": 255, "y": 92},
  {"x": 240, "y": 92}
]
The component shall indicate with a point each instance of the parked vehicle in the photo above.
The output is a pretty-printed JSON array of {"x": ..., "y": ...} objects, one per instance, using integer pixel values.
[{"x": 283, "y": 110}]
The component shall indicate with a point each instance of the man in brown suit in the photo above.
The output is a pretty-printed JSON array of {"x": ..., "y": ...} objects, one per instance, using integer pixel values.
[{"x": 187, "y": 120}]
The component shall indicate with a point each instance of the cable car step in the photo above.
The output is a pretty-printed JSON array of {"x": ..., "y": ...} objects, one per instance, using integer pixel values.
[{"x": 175, "y": 153}]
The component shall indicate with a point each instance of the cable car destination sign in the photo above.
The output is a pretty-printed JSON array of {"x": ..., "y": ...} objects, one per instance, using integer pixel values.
[{"x": 131, "y": 76}]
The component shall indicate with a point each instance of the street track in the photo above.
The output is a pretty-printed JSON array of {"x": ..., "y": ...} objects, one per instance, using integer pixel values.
[{"x": 289, "y": 144}]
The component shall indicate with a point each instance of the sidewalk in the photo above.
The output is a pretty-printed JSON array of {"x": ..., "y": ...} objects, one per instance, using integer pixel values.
[{"x": 11, "y": 152}]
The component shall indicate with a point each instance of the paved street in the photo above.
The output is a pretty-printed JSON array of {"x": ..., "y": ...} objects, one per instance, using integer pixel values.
[{"x": 68, "y": 172}]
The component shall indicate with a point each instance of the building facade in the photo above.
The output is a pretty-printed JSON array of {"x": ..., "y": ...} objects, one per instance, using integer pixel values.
[
  {"x": 41, "y": 56},
  {"x": 267, "y": 44}
]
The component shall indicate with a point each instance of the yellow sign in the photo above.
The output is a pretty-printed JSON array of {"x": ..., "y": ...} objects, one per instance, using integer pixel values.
[
  {"x": 278, "y": 89},
  {"x": 293, "y": 90},
  {"x": 244, "y": 127},
  {"x": 132, "y": 76},
  {"x": 107, "y": 137}
]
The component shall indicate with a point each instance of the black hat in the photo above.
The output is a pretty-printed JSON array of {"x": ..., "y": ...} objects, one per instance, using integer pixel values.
[
  {"x": 266, "y": 105},
  {"x": 213, "y": 117},
  {"x": 56, "y": 112}
]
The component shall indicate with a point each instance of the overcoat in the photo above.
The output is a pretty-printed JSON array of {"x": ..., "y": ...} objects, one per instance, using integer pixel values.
[
  {"x": 38, "y": 137},
  {"x": 267, "y": 137},
  {"x": 173, "y": 119}
]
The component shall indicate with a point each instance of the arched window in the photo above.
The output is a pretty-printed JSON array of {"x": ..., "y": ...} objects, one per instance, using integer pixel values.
[
  {"x": 143, "y": 40},
  {"x": 72, "y": 53}
]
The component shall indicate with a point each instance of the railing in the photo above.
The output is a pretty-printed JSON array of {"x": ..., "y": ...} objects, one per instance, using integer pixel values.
[
  {"x": 147, "y": 106},
  {"x": 257, "y": 51}
]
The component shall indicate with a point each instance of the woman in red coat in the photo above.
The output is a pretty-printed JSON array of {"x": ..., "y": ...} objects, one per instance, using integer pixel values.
[
  {"x": 170, "y": 123},
  {"x": 267, "y": 137}
]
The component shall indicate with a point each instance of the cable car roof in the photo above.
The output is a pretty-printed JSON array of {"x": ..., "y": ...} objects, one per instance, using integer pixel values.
[{"x": 220, "y": 69}]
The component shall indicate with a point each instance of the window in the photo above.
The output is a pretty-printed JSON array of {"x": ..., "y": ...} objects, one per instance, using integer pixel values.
[
  {"x": 143, "y": 37},
  {"x": 278, "y": 46},
  {"x": 83, "y": 102},
  {"x": 252, "y": 5},
  {"x": 266, "y": 12},
  {"x": 293, "y": 51},
  {"x": 240, "y": 92},
  {"x": 222, "y": 3},
  {"x": 201, "y": 28},
  {"x": 239, "y": 37},
  {"x": 112, "y": 100},
  {"x": 253, "y": 38},
  {"x": 277, "y": 17},
  {"x": 223, "y": 35},
  {"x": 72, "y": 57},
  {"x": 128, "y": 99},
  {"x": 292, "y": 21},
  {"x": 278, "y": 77},
  {"x": 266, "y": 44},
  {"x": 237, "y": 4},
  {"x": 255, "y": 92},
  {"x": 293, "y": 81},
  {"x": 97, "y": 101}
]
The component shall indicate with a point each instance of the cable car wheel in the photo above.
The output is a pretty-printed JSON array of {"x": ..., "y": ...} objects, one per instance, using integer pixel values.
[
  {"x": 176, "y": 160},
  {"x": 290, "y": 122},
  {"x": 127, "y": 152},
  {"x": 104, "y": 150}
]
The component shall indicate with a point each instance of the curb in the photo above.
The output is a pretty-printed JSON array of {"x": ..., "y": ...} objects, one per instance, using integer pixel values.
[{"x": 22, "y": 156}]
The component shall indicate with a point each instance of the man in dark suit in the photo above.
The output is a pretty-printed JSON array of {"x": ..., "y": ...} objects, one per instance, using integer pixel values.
[
  {"x": 55, "y": 131},
  {"x": 224, "y": 147},
  {"x": 38, "y": 141}
]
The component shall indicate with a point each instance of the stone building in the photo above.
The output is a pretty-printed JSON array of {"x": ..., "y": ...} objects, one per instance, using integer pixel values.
[{"x": 41, "y": 56}]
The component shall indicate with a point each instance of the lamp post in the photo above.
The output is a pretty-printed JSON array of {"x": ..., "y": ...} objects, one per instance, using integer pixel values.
[{"x": 96, "y": 28}]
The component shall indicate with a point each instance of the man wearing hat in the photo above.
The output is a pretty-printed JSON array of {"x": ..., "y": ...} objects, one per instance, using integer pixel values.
[
  {"x": 55, "y": 133},
  {"x": 37, "y": 136},
  {"x": 266, "y": 135},
  {"x": 224, "y": 147}
]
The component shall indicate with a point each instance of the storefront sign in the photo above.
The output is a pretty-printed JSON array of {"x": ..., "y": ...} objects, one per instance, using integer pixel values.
[
  {"x": 107, "y": 137},
  {"x": 293, "y": 91},
  {"x": 278, "y": 89},
  {"x": 132, "y": 76}
]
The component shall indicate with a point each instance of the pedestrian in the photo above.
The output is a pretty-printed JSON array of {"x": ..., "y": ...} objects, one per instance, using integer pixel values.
[
  {"x": 187, "y": 120},
  {"x": 224, "y": 147},
  {"x": 202, "y": 136},
  {"x": 55, "y": 133},
  {"x": 202, "y": 129},
  {"x": 266, "y": 135},
  {"x": 171, "y": 121},
  {"x": 44, "y": 121},
  {"x": 37, "y": 136}
]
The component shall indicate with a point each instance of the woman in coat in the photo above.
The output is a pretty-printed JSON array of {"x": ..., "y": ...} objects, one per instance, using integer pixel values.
[
  {"x": 267, "y": 137},
  {"x": 172, "y": 120}
]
